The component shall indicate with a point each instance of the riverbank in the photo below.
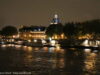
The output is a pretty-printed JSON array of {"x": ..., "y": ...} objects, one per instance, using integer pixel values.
[{"x": 60, "y": 43}]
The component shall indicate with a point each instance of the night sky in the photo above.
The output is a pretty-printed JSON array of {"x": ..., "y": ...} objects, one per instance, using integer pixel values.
[{"x": 40, "y": 12}]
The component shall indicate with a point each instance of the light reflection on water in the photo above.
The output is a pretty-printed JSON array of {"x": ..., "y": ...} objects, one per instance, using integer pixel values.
[
  {"x": 49, "y": 61},
  {"x": 90, "y": 62}
]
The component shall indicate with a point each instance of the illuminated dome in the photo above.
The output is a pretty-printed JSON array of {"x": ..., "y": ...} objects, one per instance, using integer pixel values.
[{"x": 55, "y": 19}]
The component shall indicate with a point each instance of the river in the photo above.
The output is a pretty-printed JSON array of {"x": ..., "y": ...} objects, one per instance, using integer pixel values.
[{"x": 26, "y": 60}]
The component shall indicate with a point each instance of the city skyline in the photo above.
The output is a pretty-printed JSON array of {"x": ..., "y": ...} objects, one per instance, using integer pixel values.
[{"x": 29, "y": 12}]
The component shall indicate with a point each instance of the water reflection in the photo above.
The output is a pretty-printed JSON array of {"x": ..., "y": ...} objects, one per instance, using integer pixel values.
[
  {"x": 29, "y": 49},
  {"x": 18, "y": 46},
  {"x": 90, "y": 62},
  {"x": 49, "y": 60},
  {"x": 51, "y": 49},
  {"x": 3, "y": 45},
  {"x": 36, "y": 48},
  {"x": 74, "y": 62}
]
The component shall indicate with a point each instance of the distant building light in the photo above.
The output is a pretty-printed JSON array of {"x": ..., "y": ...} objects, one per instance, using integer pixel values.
[
  {"x": 50, "y": 39},
  {"x": 43, "y": 41},
  {"x": 53, "y": 42},
  {"x": 35, "y": 40},
  {"x": 29, "y": 40},
  {"x": 87, "y": 50}
]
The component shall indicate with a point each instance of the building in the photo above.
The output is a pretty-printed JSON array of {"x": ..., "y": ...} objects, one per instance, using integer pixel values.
[
  {"x": 32, "y": 32},
  {"x": 38, "y": 32},
  {"x": 57, "y": 25}
]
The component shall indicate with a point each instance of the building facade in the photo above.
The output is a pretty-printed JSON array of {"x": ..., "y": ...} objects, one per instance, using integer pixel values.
[{"x": 32, "y": 32}]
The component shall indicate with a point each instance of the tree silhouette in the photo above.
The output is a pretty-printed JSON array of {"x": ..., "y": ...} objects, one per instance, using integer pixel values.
[
  {"x": 9, "y": 31},
  {"x": 70, "y": 30},
  {"x": 54, "y": 29},
  {"x": 92, "y": 27}
]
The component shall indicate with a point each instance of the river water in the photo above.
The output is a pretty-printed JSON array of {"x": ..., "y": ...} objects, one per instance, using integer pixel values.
[{"x": 25, "y": 60}]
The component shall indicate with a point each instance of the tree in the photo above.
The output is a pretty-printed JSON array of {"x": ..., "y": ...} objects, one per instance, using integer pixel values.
[
  {"x": 92, "y": 27},
  {"x": 9, "y": 31},
  {"x": 70, "y": 30},
  {"x": 54, "y": 29}
]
